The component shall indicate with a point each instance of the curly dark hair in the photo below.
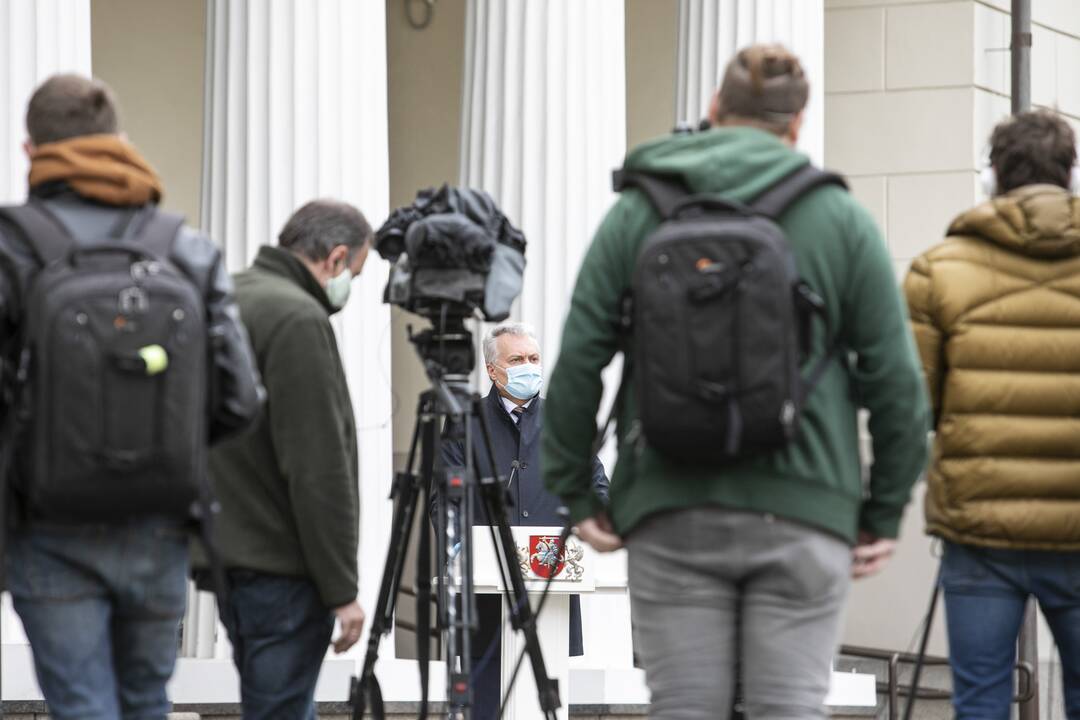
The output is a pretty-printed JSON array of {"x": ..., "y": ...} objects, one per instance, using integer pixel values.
[{"x": 1032, "y": 148}]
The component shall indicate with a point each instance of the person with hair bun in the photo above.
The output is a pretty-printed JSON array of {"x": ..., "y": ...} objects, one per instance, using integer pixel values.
[{"x": 740, "y": 566}]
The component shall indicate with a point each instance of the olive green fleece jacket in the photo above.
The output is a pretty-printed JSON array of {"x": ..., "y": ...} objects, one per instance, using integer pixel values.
[
  {"x": 817, "y": 480},
  {"x": 288, "y": 488}
]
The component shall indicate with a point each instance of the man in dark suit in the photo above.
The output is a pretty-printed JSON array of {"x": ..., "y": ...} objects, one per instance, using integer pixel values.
[{"x": 514, "y": 412}]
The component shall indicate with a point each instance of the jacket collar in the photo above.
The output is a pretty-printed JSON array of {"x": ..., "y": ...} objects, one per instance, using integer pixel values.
[
  {"x": 283, "y": 263},
  {"x": 495, "y": 401}
]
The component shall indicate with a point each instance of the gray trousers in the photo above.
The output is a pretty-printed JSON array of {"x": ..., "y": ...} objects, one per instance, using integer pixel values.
[{"x": 714, "y": 593}]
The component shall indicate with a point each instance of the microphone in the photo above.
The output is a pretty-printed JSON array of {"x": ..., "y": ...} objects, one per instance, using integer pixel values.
[{"x": 515, "y": 465}]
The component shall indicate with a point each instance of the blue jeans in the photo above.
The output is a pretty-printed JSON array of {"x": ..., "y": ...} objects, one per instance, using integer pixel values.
[
  {"x": 280, "y": 631},
  {"x": 102, "y": 608},
  {"x": 985, "y": 594}
]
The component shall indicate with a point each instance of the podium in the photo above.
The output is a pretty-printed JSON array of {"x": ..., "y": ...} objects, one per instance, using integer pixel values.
[{"x": 574, "y": 574}]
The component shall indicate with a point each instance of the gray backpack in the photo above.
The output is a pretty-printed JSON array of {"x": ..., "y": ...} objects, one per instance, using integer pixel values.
[
  {"x": 112, "y": 393},
  {"x": 720, "y": 321}
]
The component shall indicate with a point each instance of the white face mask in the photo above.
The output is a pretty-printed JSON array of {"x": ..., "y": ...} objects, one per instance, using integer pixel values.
[
  {"x": 988, "y": 180},
  {"x": 338, "y": 288}
]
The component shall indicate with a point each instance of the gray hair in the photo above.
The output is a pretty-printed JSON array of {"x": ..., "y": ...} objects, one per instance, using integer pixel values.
[
  {"x": 321, "y": 225},
  {"x": 516, "y": 329}
]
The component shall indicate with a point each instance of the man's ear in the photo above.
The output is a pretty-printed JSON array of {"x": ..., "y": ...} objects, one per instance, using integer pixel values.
[
  {"x": 28, "y": 148},
  {"x": 338, "y": 257}
]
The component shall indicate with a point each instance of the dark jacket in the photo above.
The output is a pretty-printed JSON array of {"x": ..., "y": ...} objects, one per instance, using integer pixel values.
[
  {"x": 238, "y": 395},
  {"x": 290, "y": 503},
  {"x": 816, "y": 480},
  {"x": 532, "y": 505}
]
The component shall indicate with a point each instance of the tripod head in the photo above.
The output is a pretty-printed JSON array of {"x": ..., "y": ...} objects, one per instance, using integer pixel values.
[{"x": 448, "y": 353}]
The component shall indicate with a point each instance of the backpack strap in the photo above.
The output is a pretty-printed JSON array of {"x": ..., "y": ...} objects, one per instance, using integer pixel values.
[
  {"x": 158, "y": 232},
  {"x": 777, "y": 198},
  {"x": 664, "y": 192},
  {"x": 44, "y": 234}
]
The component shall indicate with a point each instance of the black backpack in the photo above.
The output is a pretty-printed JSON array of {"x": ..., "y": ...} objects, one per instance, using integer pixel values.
[
  {"x": 721, "y": 321},
  {"x": 112, "y": 388}
]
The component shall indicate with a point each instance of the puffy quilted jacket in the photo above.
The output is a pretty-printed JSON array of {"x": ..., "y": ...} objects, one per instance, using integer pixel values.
[{"x": 996, "y": 313}]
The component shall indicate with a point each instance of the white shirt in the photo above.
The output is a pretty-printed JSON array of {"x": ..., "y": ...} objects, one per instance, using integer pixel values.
[{"x": 510, "y": 406}]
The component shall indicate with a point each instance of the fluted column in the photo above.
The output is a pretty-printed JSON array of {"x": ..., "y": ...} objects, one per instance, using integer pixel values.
[
  {"x": 296, "y": 110},
  {"x": 38, "y": 38},
  {"x": 544, "y": 124},
  {"x": 711, "y": 31}
]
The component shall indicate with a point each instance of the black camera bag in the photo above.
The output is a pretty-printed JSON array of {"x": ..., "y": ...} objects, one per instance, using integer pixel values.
[
  {"x": 113, "y": 379},
  {"x": 721, "y": 321}
]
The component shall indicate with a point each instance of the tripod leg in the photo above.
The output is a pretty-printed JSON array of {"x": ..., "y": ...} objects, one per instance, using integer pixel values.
[
  {"x": 493, "y": 497},
  {"x": 457, "y": 585},
  {"x": 406, "y": 492}
]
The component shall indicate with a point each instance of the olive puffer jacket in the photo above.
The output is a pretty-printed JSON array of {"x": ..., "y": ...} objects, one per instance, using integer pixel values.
[{"x": 996, "y": 314}]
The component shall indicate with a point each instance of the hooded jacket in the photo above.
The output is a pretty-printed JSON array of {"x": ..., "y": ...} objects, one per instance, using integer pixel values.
[
  {"x": 817, "y": 479},
  {"x": 996, "y": 314}
]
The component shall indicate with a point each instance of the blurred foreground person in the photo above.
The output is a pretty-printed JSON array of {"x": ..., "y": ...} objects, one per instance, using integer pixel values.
[
  {"x": 124, "y": 322},
  {"x": 290, "y": 504},
  {"x": 996, "y": 314},
  {"x": 738, "y": 490}
]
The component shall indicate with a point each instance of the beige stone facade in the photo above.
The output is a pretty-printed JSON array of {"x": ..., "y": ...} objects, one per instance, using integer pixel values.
[{"x": 913, "y": 90}]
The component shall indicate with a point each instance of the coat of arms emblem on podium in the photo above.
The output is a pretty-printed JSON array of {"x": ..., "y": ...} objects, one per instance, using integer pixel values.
[{"x": 544, "y": 559}]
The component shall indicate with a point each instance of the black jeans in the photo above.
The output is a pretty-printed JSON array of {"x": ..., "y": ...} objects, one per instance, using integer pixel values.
[{"x": 280, "y": 631}]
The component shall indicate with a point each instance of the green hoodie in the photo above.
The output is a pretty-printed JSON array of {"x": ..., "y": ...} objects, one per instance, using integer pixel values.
[{"x": 816, "y": 480}]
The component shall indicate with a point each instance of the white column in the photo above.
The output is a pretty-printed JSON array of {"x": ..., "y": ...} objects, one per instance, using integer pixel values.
[
  {"x": 711, "y": 31},
  {"x": 543, "y": 126},
  {"x": 297, "y": 110},
  {"x": 38, "y": 38}
]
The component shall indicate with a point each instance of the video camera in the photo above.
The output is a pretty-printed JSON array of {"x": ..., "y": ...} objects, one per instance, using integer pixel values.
[{"x": 453, "y": 253}]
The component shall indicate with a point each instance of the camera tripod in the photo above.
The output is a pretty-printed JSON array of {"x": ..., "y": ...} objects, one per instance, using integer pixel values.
[{"x": 448, "y": 355}]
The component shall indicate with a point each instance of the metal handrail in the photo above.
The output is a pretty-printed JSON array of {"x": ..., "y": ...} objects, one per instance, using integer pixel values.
[{"x": 893, "y": 690}]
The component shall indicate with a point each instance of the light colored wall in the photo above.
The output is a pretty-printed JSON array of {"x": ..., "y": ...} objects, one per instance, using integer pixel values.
[
  {"x": 152, "y": 53},
  {"x": 651, "y": 46},
  {"x": 425, "y": 70},
  {"x": 912, "y": 92}
]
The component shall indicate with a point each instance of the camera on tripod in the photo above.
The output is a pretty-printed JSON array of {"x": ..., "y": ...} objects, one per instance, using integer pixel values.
[
  {"x": 454, "y": 256},
  {"x": 452, "y": 252}
]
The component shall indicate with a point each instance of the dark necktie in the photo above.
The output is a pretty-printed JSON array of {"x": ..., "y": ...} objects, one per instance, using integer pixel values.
[{"x": 518, "y": 413}]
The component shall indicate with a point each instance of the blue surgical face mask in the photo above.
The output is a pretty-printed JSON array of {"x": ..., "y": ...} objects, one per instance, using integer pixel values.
[{"x": 524, "y": 381}]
